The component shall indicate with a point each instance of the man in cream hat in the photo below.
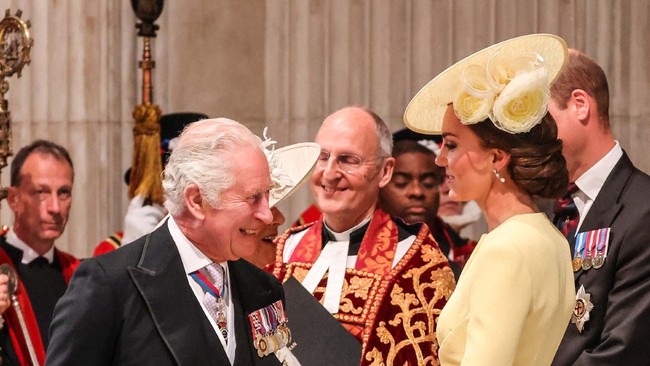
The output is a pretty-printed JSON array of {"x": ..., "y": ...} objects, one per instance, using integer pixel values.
[{"x": 385, "y": 281}]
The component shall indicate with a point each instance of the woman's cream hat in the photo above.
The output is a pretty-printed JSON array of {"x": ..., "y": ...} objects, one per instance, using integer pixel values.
[
  {"x": 290, "y": 167},
  {"x": 296, "y": 161},
  {"x": 508, "y": 82}
]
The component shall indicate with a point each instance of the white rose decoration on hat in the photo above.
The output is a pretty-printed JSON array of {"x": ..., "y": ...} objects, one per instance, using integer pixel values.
[
  {"x": 508, "y": 83},
  {"x": 523, "y": 102},
  {"x": 514, "y": 95}
]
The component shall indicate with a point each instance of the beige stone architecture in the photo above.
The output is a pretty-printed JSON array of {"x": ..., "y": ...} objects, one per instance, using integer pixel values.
[{"x": 282, "y": 63}]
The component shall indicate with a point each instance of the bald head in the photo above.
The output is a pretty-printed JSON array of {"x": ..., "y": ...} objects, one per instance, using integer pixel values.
[
  {"x": 364, "y": 120},
  {"x": 354, "y": 164}
]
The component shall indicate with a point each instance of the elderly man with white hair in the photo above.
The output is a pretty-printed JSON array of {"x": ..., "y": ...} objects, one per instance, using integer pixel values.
[{"x": 181, "y": 295}]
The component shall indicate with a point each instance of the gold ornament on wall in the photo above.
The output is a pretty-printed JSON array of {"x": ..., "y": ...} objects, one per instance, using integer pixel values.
[{"x": 15, "y": 45}]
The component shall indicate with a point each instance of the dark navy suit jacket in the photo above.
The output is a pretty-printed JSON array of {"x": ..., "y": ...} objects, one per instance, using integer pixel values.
[
  {"x": 134, "y": 306},
  {"x": 618, "y": 330}
]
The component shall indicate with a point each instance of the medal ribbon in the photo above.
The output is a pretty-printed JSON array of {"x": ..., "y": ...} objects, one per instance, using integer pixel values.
[
  {"x": 270, "y": 315},
  {"x": 580, "y": 244},
  {"x": 279, "y": 310},
  {"x": 255, "y": 325},
  {"x": 267, "y": 319},
  {"x": 604, "y": 239},
  {"x": 591, "y": 243},
  {"x": 206, "y": 284}
]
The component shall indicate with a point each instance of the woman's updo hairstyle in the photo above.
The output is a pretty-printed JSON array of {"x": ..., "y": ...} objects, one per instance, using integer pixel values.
[{"x": 536, "y": 162}]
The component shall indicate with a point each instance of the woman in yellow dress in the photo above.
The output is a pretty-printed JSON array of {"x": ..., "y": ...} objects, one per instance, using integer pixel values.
[{"x": 515, "y": 296}]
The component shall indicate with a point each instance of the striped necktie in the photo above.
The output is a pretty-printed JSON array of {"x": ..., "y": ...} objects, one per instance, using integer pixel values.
[
  {"x": 211, "y": 280},
  {"x": 566, "y": 215}
]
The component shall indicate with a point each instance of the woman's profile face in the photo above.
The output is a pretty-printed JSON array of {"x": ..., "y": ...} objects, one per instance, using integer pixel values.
[{"x": 468, "y": 165}]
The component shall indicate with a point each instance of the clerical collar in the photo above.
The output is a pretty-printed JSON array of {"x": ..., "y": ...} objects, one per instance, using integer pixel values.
[
  {"x": 354, "y": 235},
  {"x": 29, "y": 254}
]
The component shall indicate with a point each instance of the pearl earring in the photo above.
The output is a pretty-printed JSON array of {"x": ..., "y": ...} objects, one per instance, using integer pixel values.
[{"x": 499, "y": 177}]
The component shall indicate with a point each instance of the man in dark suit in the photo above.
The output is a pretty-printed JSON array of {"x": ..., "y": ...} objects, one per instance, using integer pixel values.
[
  {"x": 40, "y": 197},
  {"x": 611, "y": 321},
  {"x": 181, "y": 295}
]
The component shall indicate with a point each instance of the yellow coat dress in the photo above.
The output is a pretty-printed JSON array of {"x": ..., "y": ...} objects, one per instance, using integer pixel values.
[{"x": 514, "y": 298}]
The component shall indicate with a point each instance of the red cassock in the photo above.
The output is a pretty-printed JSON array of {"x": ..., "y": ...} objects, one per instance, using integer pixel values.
[
  {"x": 392, "y": 311},
  {"x": 68, "y": 263}
]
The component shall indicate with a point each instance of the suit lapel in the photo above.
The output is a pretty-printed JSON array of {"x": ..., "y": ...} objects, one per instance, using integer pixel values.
[
  {"x": 177, "y": 315},
  {"x": 242, "y": 329},
  {"x": 252, "y": 290},
  {"x": 607, "y": 205}
]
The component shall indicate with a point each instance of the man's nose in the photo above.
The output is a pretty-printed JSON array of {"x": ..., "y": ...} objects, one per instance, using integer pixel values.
[
  {"x": 331, "y": 169},
  {"x": 415, "y": 189},
  {"x": 53, "y": 204},
  {"x": 263, "y": 213}
]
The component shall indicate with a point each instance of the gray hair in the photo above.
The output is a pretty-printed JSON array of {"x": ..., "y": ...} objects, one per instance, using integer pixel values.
[
  {"x": 203, "y": 156},
  {"x": 384, "y": 137}
]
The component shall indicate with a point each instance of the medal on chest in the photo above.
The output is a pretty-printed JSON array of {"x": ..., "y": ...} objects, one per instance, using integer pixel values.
[
  {"x": 581, "y": 309},
  {"x": 269, "y": 328},
  {"x": 591, "y": 249}
]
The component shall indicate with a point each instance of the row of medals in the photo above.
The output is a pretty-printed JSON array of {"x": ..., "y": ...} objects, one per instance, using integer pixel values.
[
  {"x": 272, "y": 341},
  {"x": 588, "y": 262}
]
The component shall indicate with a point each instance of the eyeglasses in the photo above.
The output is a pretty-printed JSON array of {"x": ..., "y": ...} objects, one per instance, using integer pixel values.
[{"x": 346, "y": 162}]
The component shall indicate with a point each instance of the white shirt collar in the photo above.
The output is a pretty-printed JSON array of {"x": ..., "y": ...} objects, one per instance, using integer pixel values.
[
  {"x": 29, "y": 254},
  {"x": 345, "y": 235},
  {"x": 193, "y": 259},
  {"x": 591, "y": 181}
]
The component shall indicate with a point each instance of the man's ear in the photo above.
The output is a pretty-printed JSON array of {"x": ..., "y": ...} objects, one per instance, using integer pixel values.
[
  {"x": 194, "y": 201},
  {"x": 12, "y": 197},
  {"x": 582, "y": 104},
  {"x": 387, "y": 171}
]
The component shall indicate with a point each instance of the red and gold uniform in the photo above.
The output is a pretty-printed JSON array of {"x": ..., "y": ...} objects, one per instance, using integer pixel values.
[
  {"x": 68, "y": 264},
  {"x": 109, "y": 244},
  {"x": 390, "y": 306}
]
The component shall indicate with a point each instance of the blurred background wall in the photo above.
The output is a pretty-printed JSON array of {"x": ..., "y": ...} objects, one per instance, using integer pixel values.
[{"x": 285, "y": 64}]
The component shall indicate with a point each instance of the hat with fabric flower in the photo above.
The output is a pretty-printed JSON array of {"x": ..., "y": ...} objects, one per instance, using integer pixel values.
[
  {"x": 508, "y": 83},
  {"x": 290, "y": 166}
]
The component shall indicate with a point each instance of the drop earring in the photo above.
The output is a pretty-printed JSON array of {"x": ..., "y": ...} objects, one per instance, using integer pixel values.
[{"x": 499, "y": 177}]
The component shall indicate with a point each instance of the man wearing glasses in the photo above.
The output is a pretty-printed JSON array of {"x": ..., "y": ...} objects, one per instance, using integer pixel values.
[{"x": 384, "y": 280}]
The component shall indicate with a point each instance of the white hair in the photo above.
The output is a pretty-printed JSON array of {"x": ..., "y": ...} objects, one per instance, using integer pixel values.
[{"x": 203, "y": 155}]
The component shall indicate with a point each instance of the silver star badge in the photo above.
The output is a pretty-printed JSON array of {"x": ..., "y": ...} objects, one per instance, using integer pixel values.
[{"x": 582, "y": 308}]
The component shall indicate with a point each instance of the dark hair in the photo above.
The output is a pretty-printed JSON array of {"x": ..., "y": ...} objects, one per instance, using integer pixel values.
[
  {"x": 536, "y": 162},
  {"x": 583, "y": 73},
  {"x": 410, "y": 146},
  {"x": 42, "y": 147},
  {"x": 414, "y": 147}
]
